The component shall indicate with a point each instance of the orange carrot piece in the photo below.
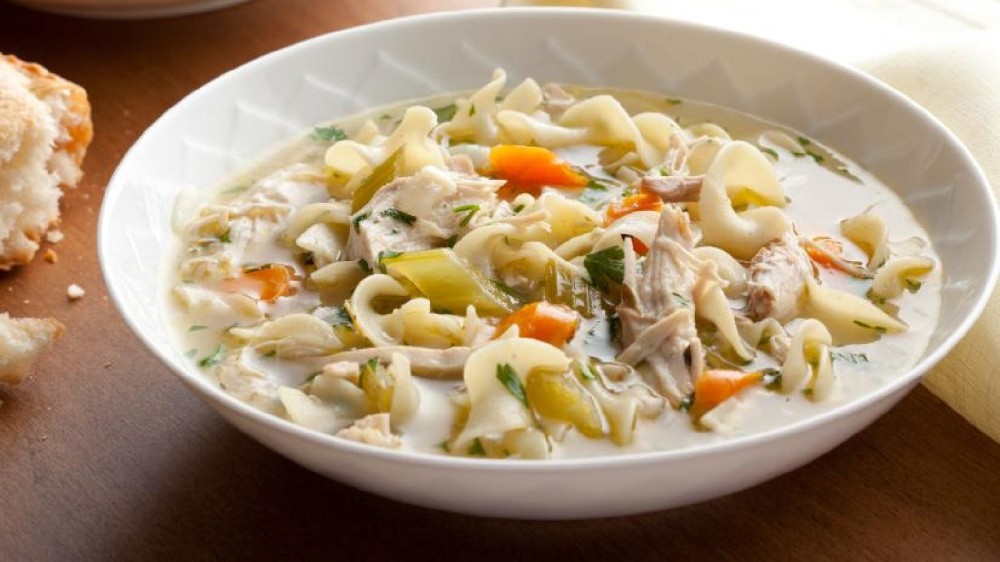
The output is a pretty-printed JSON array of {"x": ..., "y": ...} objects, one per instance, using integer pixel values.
[
  {"x": 830, "y": 245},
  {"x": 638, "y": 202},
  {"x": 544, "y": 321},
  {"x": 528, "y": 168},
  {"x": 269, "y": 282},
  {"x": 638, "y": 246},
  {"x": 714, "y": 387}
]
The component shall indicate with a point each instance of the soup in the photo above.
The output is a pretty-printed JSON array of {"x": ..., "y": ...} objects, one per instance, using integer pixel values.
[{"x": 551, "y": 272}]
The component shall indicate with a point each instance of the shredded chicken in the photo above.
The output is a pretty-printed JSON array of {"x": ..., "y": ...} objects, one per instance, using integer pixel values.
[
  {"x": 424, "y": 361},
  {"x": 418, "y": 213},
  {"x": 372, "y": 430},
  {"x": 778, "y": 274},
  {"x": 658, "y": 325},
  {"x": 674, "y": 189}
]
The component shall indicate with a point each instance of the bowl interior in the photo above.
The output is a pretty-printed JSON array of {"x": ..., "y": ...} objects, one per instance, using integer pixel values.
[{"x": 223, "y": 125}]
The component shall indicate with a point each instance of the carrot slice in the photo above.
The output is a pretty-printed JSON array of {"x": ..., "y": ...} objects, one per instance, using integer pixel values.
[
  {"x": 832, "y": 246},
  {"x": 544, "y": 321},
  {"x": 715, "y": 387},
  {"x": 268, "y": 282},
  {"x": 638, "y": 202},
  {"x": 529, "y": 168},
  {"x": 638, "y": 246}
]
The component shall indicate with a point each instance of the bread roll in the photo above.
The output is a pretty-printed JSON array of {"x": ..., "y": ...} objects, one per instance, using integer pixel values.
[{"x": 45, "y": 128}]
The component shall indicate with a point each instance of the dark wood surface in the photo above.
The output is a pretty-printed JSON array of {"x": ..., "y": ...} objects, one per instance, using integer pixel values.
[{"x": 105, "y": 456}]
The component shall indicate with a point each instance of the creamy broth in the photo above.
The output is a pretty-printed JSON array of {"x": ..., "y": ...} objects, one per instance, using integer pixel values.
[{"x": 217, "y": 302}]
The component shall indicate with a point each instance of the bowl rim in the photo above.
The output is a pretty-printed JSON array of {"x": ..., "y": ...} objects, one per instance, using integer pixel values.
[{"x": 287, "y": 428}]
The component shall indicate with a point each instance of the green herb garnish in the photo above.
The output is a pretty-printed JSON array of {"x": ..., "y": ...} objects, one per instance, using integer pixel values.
[
  {"x": 507, "y": 289},
  {"x": 518, "y": 209},
  {"x": 476, "y": 449},
  {"x": 804, "y": 141},
  {"x": 329, "y": 134},
  {"x": 472, "y": 109},
  {"x": 470, "y": 210},
  {"x": 445, "y": 113},
  {"x": 912, "y": 285},
  {"x": 196, "y": 328},
  {"x": 771, "y": 378},
  {"x": 224, "y": 237},
  {"x": 686, "y": 403},
  {"x": 450, "y": 242},
  {"x": 340, "y": 317},
  {"x": 605, "y": 266},
  {"x": 816, "y": 157},
  {"x": 363, "y": 264},
  {"x": 508, "y": 377},
  {"x": 673, "y": 101},
  {"x": 681, "y": 300},
  {"x": 849, "y": 357},
  {"x": 878, "y": 329},
  {"x": 215, "y": 357},
  {"x": 356, "y": 221},
  {"x": 191, "y": 353},
  {"x": 400, "y": 216},
  {"x": 770, "y": 151},
  {"x": 235, "y": 189},
  {"x": 594, "y": 193}
]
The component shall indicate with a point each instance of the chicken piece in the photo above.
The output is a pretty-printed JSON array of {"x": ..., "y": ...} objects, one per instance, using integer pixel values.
[
  {"x": 674, "y": 189},
  {"x": 22, "y": 341},
  {"x": 372, "y": 430},
  {"x": 778, "y": 274},
  {"x": 424, "y": 361},
  {"x": 658, "y": 323},
  {"x": 419, "y": 212}
]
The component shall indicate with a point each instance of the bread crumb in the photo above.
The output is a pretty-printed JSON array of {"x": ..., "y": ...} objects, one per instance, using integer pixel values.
[
  {"x": 50, "y": 256},
  {"x": 54, "y": 236},
  {"x": 75, "y": 292}
]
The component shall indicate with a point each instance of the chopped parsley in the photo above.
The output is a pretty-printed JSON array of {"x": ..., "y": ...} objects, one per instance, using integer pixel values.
[
  {"x": 674, "y": 101},
  {"x": 816, "y": 157},
  {"x": 445, "y": 113},
  {"x": 849, "y": 357},
  {"x": 310, "y": 378},
  {"x": 356, "y": 221},
  {"x": 235, "y": 189},
  {"x": 771, "y": 152},
  {"x": 686, "y": 403},
  {"x": 614, "y": 326},
  {"x": 771, "y": 379},
  {"x": 509, "y": 379},
  {"x": 396, "y": 214},
  {"x": 450, "y": 242},
  {"x": 329, "y": 134},
  {"x": 808, "y": 392},
  {"x": 472, "y": 109},
  {"x": 605, "y": 266},
  {"x": 507, "y": 289},
  {"x": 340, "y": 317},
  {"x": 912, "y": 285},
  {"x": 224, "y": 237},
  {"x": 804, "y": 141},
  {"x": 476, "y": 449},
  {"x": 196, "y": 328},
  {"x": 878, "y": 329},
  {"x": 681, "y": 300},
  {"x": 213, "y": 358},
  {"x": 363, "y": 264},
  {"x": 518, "y": 209},
  {"x": 469, "y": 211},
  {"x": 594, "y": 193}
]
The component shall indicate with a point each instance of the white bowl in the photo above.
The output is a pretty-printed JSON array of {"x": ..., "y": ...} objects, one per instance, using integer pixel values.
[{"x": 224, "y": 124}]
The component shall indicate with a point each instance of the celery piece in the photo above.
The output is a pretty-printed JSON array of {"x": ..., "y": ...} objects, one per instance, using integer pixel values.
[
  {"x": 556, "y": 395},
  {"x": 449, "y": 283},
  {"x": 378, "y": 386},
  {"x": 376, "y": 178},
  {"x": 562, "y": 286}
]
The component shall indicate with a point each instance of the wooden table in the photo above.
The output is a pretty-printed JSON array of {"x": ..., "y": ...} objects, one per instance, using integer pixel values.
[{"x": 104, "y": 455}]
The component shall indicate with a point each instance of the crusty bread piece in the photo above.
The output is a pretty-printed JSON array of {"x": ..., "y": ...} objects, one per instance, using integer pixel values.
[
  {"x": 21, "y": 342},
  {"x": 45, "y": 129}
]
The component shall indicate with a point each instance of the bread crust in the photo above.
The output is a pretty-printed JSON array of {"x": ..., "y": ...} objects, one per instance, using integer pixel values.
[{"x": 45, "y": 129}]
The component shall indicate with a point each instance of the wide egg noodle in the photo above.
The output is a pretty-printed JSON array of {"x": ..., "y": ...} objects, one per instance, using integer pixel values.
[{"x": 494, "y": 410}]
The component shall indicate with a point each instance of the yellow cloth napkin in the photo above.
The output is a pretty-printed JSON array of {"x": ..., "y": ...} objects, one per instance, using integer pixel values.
[{"x": 959, "y": 82}]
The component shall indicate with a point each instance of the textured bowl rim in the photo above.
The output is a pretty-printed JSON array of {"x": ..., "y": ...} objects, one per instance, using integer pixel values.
[{"x": 210, "y": 391}]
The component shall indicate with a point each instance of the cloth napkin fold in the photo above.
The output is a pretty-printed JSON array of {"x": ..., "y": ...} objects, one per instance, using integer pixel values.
[{"x": 959, "y": 82}]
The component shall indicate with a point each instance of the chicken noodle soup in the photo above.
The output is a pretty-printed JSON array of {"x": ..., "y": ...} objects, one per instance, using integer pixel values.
[{"x": 550, "y": 272}]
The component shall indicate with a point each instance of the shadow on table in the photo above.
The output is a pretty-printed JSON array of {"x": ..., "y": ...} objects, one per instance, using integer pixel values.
[{"x": 237, "y": 500}]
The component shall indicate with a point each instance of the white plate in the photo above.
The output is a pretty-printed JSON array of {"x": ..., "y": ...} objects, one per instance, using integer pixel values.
[
  {"x": 224, "y": 124},
  {"x": 127, "y": 9}
]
